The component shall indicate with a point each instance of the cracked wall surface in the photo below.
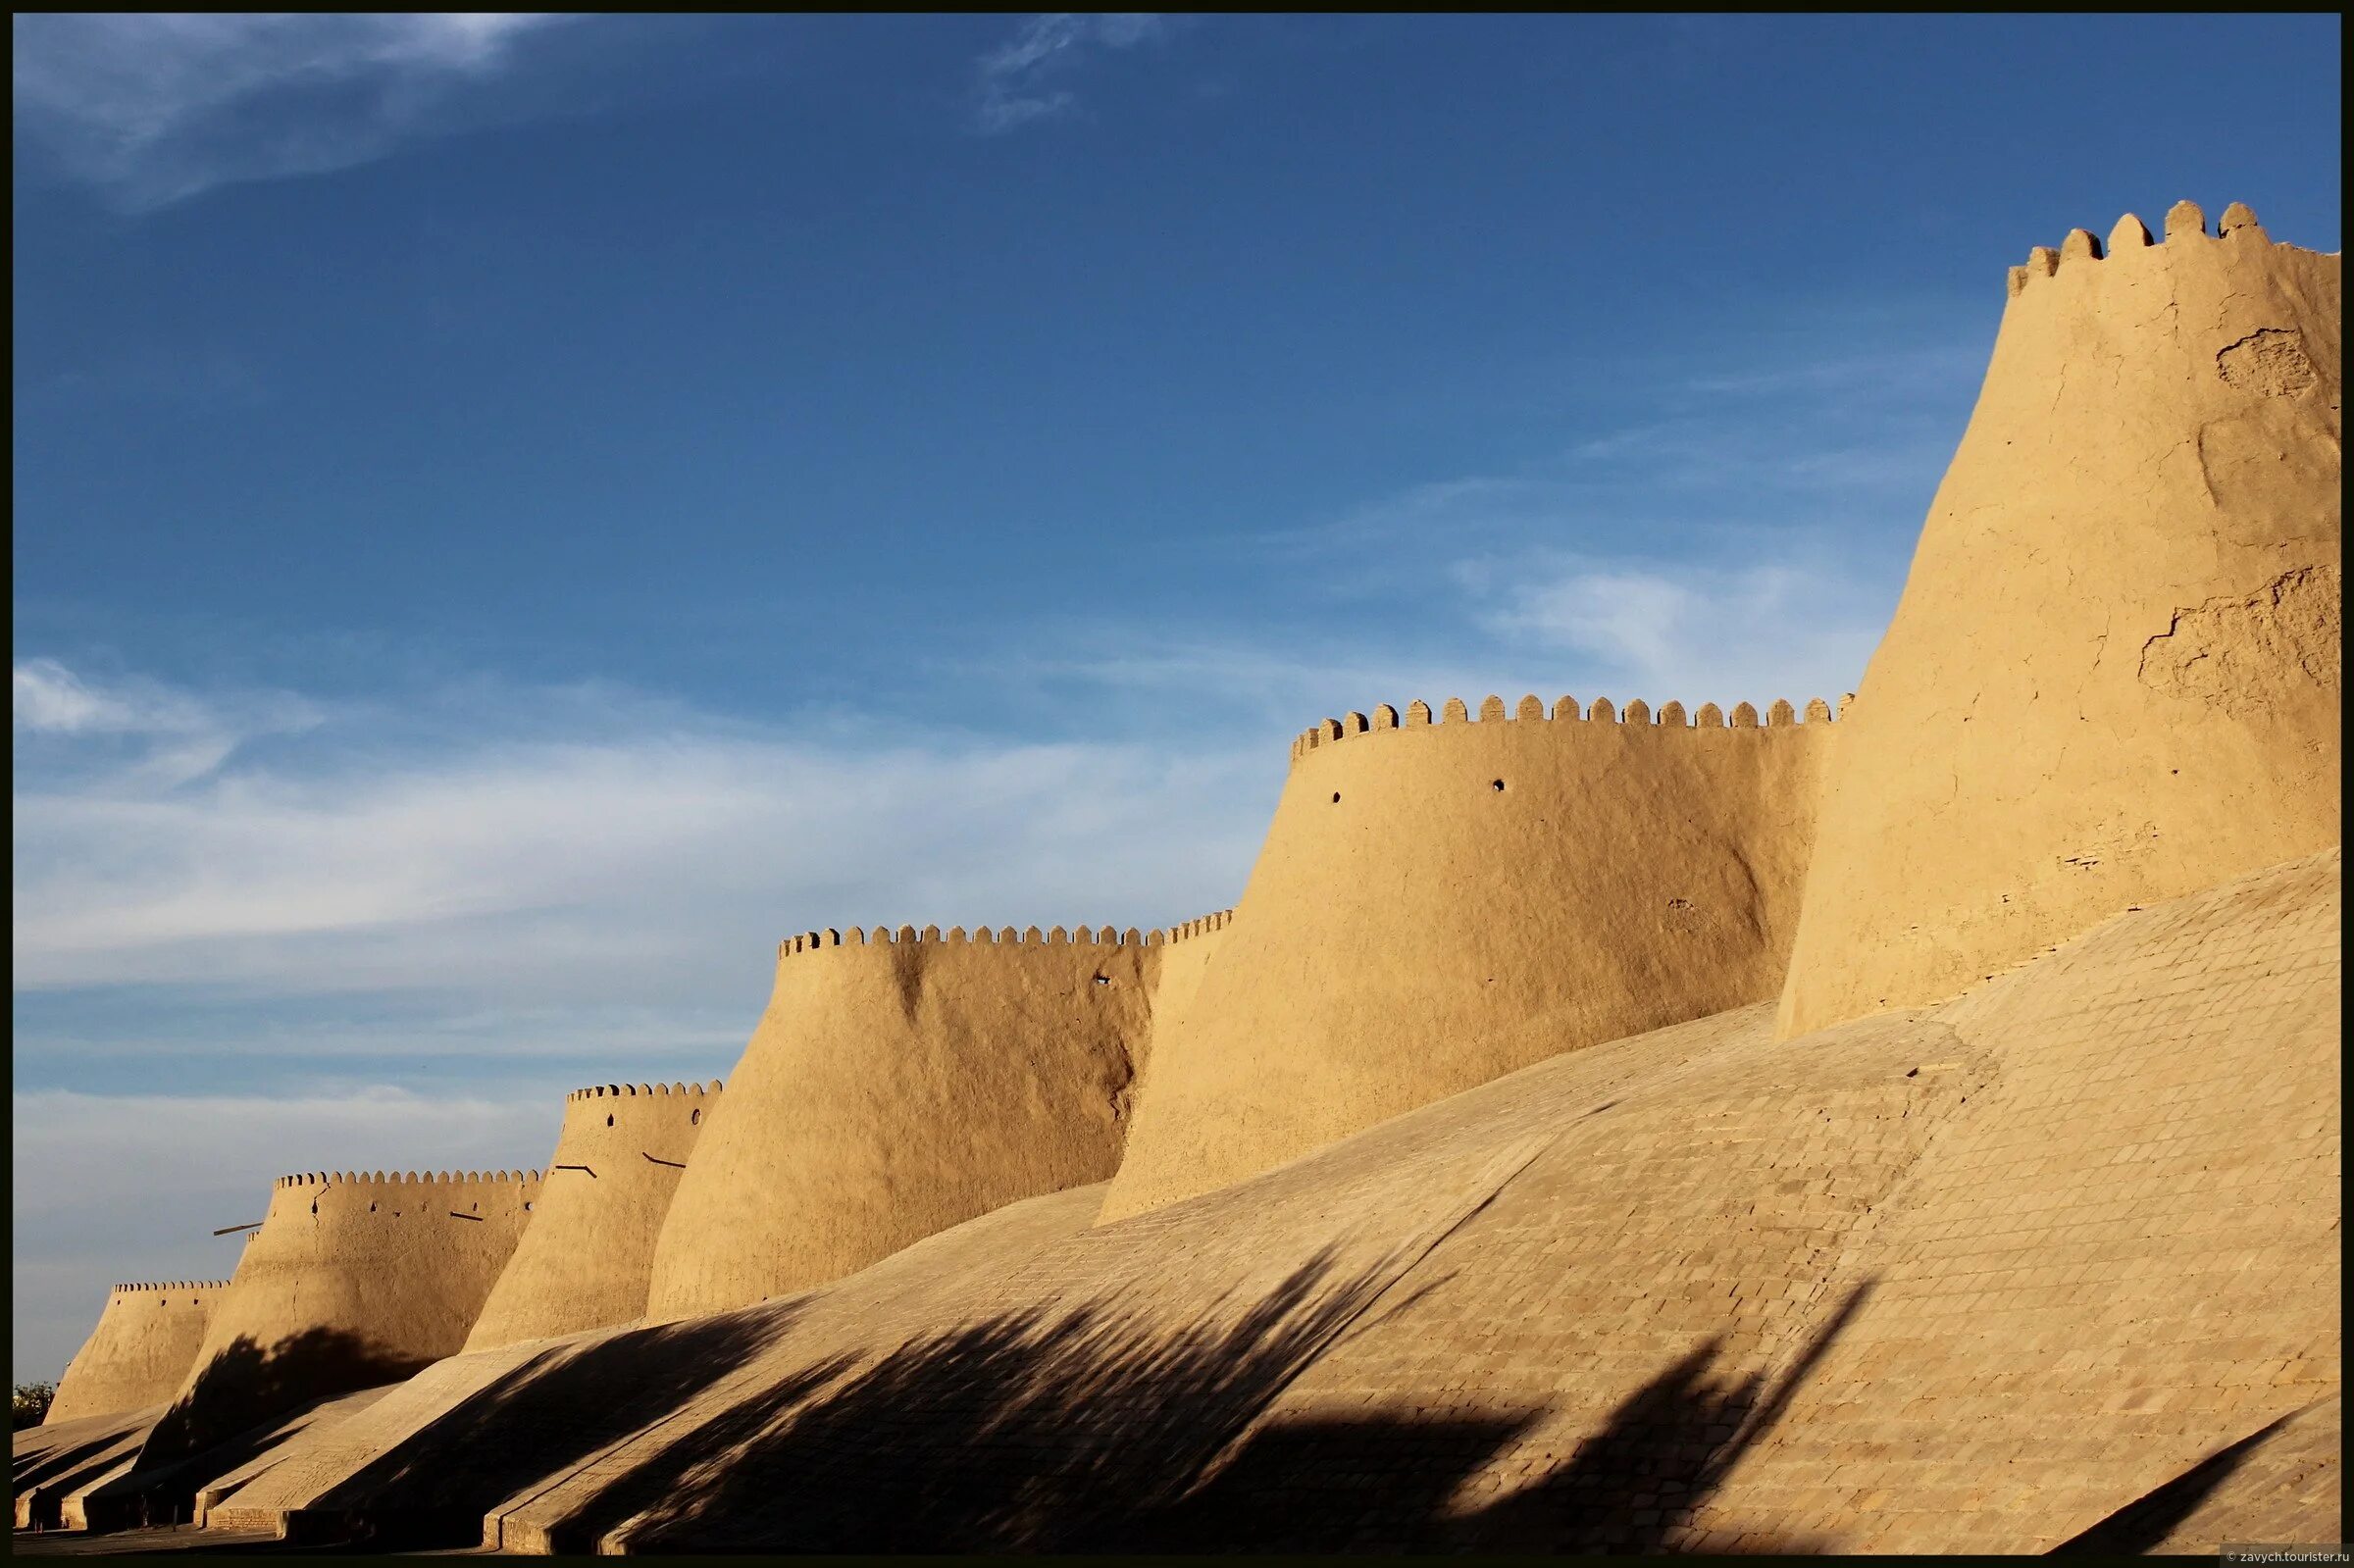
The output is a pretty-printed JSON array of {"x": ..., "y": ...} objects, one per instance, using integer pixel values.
[{"x": 2113, "y": 676}]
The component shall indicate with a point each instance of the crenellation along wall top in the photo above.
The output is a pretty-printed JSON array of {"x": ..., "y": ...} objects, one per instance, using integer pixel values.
[
  {"x": 1532, "y": 709},
  {"x": 1003, "y": 936},
  {"x": 169, "y": 1284},
  {"x": 410, "y": 1178},
  {"x": 2186, "y": 222},
  {"x": 615, "y": 1090}
]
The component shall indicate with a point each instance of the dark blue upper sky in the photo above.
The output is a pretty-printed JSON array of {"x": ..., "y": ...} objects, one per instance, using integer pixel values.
[{"x": 514, "y": 516}]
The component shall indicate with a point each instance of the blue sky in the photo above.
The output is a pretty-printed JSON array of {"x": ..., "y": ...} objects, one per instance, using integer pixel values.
[{"x": 515, "y": 514}]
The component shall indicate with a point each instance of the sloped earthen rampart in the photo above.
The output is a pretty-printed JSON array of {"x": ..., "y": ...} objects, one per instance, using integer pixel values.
[
  {"x": 1442, "y": 899},
  {"x": 139, "y": 1354},
  {"x": 2113, "y": 678},
  {"x": 585, "y": 1257},
  {"x": 352, "y": 1280},
  {"x": 899, "y": 1084}
]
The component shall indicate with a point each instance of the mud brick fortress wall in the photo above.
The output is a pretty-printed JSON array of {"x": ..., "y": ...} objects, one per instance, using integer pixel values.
[
  {"x": 1441, "y": 903},
  {"x": 587, "y": 1255},
  {"x": 2113, "y": 678},
  {"x": 352, "y": 1280},
  {"x": 139, "y": 1354}
]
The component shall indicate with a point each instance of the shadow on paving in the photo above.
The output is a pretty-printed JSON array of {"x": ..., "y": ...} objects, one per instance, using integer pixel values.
[
  {"x": 1096, "y": 1431},
  {"x": 535, "y": 1421},
  {"x": 244, "y": 1387},
  {"x": 2143, "y": 1525}
]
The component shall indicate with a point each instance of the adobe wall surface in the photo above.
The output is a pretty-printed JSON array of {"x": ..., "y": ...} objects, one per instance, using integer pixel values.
[
  {"x": 353, "y": 1280},
  {"x": 584, "y": 1260},
  {"x": 896, "y": 1087},
  {"x": 140, "y": 1352},
  {"x": 2113, "y": 678},
  {"x": 1428, "y": 890},
  {"x": 1978, "y": 1278}
]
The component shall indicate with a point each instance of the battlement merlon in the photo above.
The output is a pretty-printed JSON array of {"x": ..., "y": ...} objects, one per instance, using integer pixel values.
[
  {"x": 615, "y": 1090},
  {"x": 324, "y": 1179},
  {"x": 2185, "y": 223},
  {"x": 1532, "y": 710},
  {"x": 169, "y": 1284},
  {"x": 1001, "y": 937}
]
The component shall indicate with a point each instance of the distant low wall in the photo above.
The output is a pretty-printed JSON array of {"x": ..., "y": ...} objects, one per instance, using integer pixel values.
[
  {"x": 1442, "y": 899},
  {"x": 139, "y": 1354}
]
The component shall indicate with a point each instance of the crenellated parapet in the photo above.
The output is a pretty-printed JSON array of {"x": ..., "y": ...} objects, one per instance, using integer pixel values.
[
  {"x": 2185, "y": 224},
  {"x": 169, "y": 1284},
  {"x": 1532, "y": 709},
  {"x": 999, "y": 936},
  {"x": 406, "y": 1178},
  {"x": 1186, "y": 930},
  {"x": 630, "y": 1090}
]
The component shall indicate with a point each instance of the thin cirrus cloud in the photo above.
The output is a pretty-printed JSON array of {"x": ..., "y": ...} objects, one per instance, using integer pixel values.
[
  {"x": 1016, "y": 82},
  {"x": 151, "y": 109},
  {"x": 646, "y": 857}
]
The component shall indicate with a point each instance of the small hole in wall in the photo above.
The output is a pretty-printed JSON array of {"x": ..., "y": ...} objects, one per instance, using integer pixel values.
[
  {"x": 608, "y": 1121},
  {"x": 1496, "y": 785},
  {"x": 1335, "y": 797},
  {"x": 1103, "y": 979},
  {"x": 372, "y": 1208},
  {"x": 527, "y": 1205},
  {"x": 693, "y": 1118}
]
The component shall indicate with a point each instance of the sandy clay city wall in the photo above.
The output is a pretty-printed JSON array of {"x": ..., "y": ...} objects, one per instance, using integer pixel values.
[
  {"x": 1441, "y": 903},
  {"x": 139, "y": 1354},
  {"x": 584, "y": 1259},
  {"x": 895, "y": 1085},
  {"x": 352, "y": 1280},
  {"x": 2114, "y": 674}
]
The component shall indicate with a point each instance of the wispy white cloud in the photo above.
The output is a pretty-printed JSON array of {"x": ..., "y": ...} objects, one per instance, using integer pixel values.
[
  {"x": 152, "y": 108},
  {"x": 633, "y": 862},
  {"x": 1755, "y": 632},
  {"x": 1014, "y": 81}
]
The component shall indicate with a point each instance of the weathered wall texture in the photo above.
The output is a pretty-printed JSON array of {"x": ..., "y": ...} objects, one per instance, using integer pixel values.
[
  {"x": 1184, "y": 964},
  {"x": 140, "y": 1352},
  {"x": 352, "y": 1280},
  {"x": 2113, "y": 678},
  {"x": 895, "y": 1088},
  {"x": 1428, "y": 890},
  {"x": 585, "y": 1257}
]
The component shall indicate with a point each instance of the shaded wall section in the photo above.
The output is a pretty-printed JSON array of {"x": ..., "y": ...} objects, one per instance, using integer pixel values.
[
  {"x": 585, "y": 1257},
  {"x": 2113, "y": 678},
  {"x": 139, "y": 1354},
  {"x": 1429, "y": 892},
  {"x": 895, "y": 1088},
  {"x": 353, "y": 1280}
]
